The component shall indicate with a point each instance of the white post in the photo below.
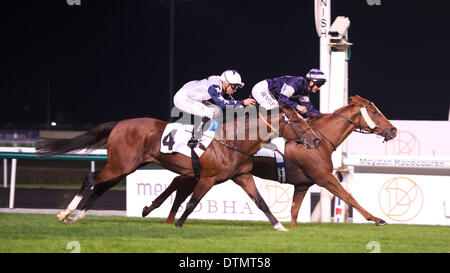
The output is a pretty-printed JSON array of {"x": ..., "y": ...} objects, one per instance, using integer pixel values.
[
  {"x": 325, "y": 205},
  {"x": 92, "y": 166},
  {"x": 12, "y": 189},
  {"x": 322, "y": 9},
  {"x": 337, "y": 95},
  {"x": 5, "y": 172},
  {"x": 323, "y": 17}
]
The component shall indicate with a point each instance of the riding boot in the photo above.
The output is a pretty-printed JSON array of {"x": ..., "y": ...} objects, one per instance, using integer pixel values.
[{"x": 197, "y": 132}]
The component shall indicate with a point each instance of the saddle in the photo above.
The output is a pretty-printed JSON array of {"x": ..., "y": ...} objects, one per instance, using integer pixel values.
[
  {"x": 179, "y": 138},
  {"x": 275, "y": 150}
]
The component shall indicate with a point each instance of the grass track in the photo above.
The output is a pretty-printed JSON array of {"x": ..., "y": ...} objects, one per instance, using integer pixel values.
[{"x": 43, "y": 233}]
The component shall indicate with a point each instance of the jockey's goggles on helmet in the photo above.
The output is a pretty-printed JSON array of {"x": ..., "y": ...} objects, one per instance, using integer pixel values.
[
  {"x": 235, "y": 86},
  {"x": 319, "y": 83}
]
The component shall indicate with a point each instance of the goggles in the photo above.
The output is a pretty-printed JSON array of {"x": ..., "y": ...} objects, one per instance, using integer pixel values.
[
  {"x": 319, "y": 83},
  {"x": 235, "y": 86}
]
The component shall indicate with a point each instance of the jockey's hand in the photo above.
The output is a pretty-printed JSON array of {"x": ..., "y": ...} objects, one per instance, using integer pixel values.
[
  {"x": 249, "y": 101},
  {"x": 301, "y": 109}
]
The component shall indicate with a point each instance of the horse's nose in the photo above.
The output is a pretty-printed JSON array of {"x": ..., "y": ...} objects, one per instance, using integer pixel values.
[{"x": 394, "y": 131}]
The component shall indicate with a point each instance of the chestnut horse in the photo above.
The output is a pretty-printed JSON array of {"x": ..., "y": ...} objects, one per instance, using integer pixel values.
[
  {"x": 305, "y": 167},
  {"x": 134, "y": 142}
]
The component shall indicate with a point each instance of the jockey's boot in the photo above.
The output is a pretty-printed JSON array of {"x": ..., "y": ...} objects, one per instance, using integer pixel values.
[{"x": 197, "y": 132}]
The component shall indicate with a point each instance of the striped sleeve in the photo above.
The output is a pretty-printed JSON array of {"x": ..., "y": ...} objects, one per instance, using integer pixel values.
[{"x": 215, "y": 93}]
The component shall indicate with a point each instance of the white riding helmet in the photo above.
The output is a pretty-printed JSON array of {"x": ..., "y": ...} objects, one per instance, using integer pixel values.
[{"x": 232, "y": 77}]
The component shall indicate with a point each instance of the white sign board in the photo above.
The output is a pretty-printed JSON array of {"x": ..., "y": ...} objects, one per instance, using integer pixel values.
[
  {"x": 414, "y": 138},
  {"x": 225, "y": 201},
  {"x": 405, "y": 199}
]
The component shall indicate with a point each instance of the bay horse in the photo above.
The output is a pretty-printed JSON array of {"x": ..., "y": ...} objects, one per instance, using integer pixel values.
[
  {"x": 306, "y": 167},
  {"x": 132, "y": 143}
]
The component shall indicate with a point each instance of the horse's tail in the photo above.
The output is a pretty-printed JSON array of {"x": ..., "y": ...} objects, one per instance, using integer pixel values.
[{"x": 92, "y": 139}]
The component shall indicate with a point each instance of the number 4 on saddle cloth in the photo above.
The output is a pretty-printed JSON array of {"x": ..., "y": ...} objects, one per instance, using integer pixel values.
[{"x": 176, "y": 136}]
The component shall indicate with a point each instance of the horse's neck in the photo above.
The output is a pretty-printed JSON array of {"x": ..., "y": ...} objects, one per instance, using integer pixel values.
[
  {"x": 246, "y": 137},
  {"x": 336, "y": 128}
]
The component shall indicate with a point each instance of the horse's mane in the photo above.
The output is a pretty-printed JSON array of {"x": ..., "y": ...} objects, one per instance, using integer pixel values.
[
  {"x": 258, "y": 108},
  {"x": 353, "y": 100}
]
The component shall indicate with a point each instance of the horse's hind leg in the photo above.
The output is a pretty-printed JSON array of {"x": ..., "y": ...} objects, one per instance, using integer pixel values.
[
  {"x": 87, "y": 183},
  {"x": 92, "y": 196},
  {"x": 247, "y": 183},
  {"x": 108, "y": 173}
]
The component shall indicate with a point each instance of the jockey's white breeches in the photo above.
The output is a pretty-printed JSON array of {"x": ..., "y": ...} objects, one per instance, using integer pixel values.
[
  {"x": 262, "y": 95},
  {"x": 193, "y": 107}
]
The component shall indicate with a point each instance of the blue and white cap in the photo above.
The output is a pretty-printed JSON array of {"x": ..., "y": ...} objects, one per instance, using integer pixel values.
[{"x": 316, "y": 75}]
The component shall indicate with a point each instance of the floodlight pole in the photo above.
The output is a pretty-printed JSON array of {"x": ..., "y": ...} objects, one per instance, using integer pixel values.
[{"x": 171, "y": 54}]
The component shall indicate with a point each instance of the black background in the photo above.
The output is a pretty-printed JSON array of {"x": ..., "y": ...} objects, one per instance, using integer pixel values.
[{"x": 109, "y": 60}]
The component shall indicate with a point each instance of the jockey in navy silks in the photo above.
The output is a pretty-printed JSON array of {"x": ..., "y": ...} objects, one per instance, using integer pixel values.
[{"x": 290, "y": 90}]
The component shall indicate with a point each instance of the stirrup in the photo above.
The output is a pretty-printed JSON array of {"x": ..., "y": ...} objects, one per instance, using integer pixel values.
[{"x": 192, "y": 143}]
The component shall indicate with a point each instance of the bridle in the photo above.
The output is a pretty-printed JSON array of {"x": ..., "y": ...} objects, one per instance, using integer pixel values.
[
  {"x": 287, "y": 121},
  {"x": 369, "y": 129}
]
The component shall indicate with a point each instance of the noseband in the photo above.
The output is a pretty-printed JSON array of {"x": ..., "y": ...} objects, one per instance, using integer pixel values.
[{"x": 370, "y": 129}]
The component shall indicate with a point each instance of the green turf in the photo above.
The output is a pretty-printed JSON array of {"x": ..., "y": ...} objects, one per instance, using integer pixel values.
[{"x": 43, "y": 233}]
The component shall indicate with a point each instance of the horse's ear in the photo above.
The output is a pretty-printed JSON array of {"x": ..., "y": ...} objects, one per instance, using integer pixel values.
[{"x": 354, "y": 98}]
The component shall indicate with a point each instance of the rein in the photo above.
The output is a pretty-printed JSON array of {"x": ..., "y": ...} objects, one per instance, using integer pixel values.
[
  {"x": 361, "y": 130},
  {"x": 286, "y": 121}
]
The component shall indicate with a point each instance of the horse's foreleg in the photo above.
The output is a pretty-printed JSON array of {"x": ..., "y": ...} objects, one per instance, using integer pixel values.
[
  {"x": 299, "y": 194},
  {"x": 174, "y": 186},
  {"x": 202, "y": 187},
  {"x": 248, "y": 185},
  {"x": 333, "y": 185},
  {"x": 87, "y": 183}
]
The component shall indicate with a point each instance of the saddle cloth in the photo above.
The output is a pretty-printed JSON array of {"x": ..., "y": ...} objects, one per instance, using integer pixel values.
[
  {"x": 275, "y": 150},
  {"x": 176, "y": 136}
]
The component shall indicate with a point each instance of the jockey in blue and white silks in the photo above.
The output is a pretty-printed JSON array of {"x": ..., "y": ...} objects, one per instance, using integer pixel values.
[
  {"x": 218, "y": 88},
  {"x": 290, "y": 90}
]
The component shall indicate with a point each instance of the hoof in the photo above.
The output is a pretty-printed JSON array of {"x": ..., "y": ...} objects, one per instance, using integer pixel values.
[
  {"x": 68, "y": 220},
  {"x": 380, "y": 223},
  {"x": 279, "y": 227},
  {"x": 61, "y": 216},
  {"x": 145, "y": 211}
]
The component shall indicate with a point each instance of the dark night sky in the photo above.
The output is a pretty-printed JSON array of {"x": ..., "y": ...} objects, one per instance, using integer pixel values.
[{"x": 109, "y": 60}]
